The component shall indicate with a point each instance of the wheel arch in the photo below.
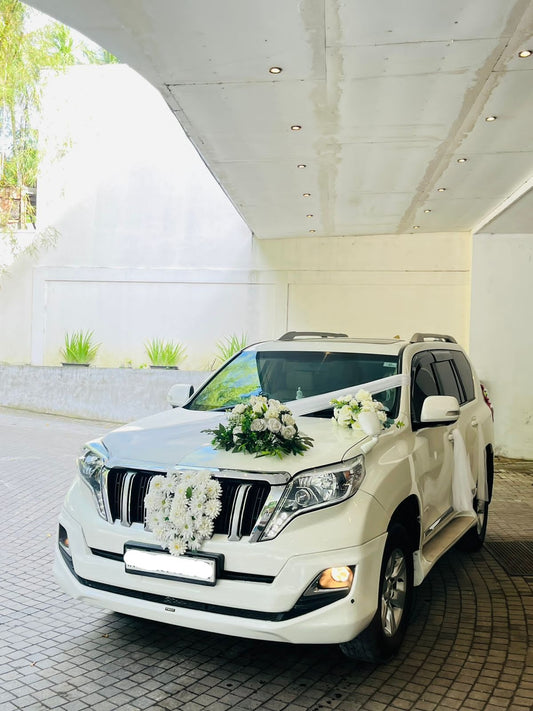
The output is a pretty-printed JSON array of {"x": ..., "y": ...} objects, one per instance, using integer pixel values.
[
  {"x": 489, "y": 460},
  {"x": 407, "y": 514}
]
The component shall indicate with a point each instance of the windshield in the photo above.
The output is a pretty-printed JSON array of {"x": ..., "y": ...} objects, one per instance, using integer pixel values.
[{"x": 290, "y": 375}]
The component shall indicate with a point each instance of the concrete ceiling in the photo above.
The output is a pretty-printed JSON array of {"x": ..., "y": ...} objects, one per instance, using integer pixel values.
[{"x": 389, "y": 95}]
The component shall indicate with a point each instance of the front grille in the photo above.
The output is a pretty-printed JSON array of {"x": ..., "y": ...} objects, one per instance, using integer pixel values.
[{"x": 242, "y": 501}]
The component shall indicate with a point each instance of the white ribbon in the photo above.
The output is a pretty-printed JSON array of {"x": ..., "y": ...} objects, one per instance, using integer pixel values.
[
  {"x": 463, "y": 481},
  {"x": 315, "y": 403}
]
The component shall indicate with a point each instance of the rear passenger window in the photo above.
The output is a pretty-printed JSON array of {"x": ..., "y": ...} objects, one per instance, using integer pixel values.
[
  {"x": 446, "y": 379},
  {"x": 465, "y": 374}
]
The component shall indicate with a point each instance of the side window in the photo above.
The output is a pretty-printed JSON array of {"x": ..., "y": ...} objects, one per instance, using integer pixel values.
[
  {"x": 446, "y": 379},
  {"x": 465, "y": 374},
  {"x": 423, "y": 383}
]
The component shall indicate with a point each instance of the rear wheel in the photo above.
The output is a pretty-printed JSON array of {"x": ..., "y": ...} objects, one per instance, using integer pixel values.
[
  {"x": 474, "y": 538},
  {"x": 383, "y": 637}
]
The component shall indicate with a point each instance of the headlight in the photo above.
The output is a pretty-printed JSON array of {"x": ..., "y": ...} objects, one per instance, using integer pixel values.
[
  {"x": 92, "y": 466},
  {"x": 315, "y": 489}
]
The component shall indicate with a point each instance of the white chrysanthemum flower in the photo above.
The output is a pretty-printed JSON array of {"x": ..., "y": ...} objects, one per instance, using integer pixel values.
[
  {"x": 213, "y": 488},
  {"x": 196, "y": 504},
  {"x": 205, "y": 527},
  {"x": 273, "y": 425},
  {"x": 158, "y": 482},
  {"x": 212, "y": 508},
  {"x": 177, "y": 547},
  {"x": 178, "y": 509}
]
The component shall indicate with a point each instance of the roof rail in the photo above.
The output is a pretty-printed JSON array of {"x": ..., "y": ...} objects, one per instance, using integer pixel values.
[
  {"x": 421, "y": 337},
  {"x": 291, "y": 335}
]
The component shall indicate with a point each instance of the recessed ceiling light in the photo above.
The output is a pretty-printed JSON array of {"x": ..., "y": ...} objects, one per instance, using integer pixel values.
[
  {"x": 301, "y": 165},
  {"x": 306, "y": 194},
  {"x": 416, "y": 227},
  {"x": 275, "y": 70},
  {"x": 427, "y": 211},
  {"x": 441, "y": 190},
  {"x": 312, "y": 230},
  {"x": 490, "y": 118},
  {"x": 309, "y": 215},
  {"x": 525, "y": 53},
  {"x": 462, "y": 160},
  {"x": 296, "y": 127}
]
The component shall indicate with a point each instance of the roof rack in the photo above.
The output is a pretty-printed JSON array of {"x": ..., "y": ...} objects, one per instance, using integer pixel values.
[
  {"x": 421, "y": 337},
  {"x": 292, "y": 335}
]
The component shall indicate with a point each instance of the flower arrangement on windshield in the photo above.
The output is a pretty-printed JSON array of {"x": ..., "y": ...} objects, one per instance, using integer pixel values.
[
  {"x": 348, "y": 409},
  {"x": 262, "y": 427},
  {"x": 181, "y": 508}
]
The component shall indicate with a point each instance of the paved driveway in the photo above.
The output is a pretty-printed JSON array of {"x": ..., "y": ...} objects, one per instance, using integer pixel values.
[{"x": 466, "y": 648}]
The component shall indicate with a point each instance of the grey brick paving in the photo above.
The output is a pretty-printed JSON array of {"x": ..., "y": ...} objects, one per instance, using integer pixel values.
[{"x": 468, "y": 646}]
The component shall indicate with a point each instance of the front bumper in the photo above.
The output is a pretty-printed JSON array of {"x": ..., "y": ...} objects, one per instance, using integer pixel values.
[{"x": 246, "y": 608}]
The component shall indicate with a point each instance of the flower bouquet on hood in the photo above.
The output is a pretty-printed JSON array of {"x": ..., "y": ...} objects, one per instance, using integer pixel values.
[{"x": 262, "y": 427}]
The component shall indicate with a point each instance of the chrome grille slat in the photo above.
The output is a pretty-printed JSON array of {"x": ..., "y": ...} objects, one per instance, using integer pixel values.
[
  {"x": 125, "y": 518},
  {"x": 236, "y": 514}
]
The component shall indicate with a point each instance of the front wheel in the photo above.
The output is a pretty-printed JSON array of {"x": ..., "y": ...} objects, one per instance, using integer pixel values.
[{"x": 383, "y": 637}]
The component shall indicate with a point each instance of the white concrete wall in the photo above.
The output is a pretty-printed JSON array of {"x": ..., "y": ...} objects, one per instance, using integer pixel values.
[
  {"x": 501, "y": 342},
  {"x": 150, "y": 247}
]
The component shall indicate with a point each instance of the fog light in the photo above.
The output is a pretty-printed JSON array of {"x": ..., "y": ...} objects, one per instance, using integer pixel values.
[
  {"x": 63, "y": 541},
  {"x": 336, "y": 578}
]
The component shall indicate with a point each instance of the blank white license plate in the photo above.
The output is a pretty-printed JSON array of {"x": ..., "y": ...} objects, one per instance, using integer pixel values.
[{"x": 190, "y": 568}]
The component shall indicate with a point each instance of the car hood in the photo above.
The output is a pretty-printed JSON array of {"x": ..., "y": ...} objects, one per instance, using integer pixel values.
[{"x": 178, "y": 437}]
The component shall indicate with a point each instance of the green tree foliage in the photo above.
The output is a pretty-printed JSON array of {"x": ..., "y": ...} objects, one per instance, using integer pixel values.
[{"x": 24, "y": 53}]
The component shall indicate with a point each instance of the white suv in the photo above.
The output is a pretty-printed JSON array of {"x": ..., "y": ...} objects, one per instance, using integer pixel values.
[{"x": 320, "y": 548}]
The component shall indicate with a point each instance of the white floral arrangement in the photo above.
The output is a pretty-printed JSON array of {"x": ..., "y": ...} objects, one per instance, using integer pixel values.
[
  {"x": 348, "y": 408},
  {"x": 181, "y": 508},
  {"x": 262, "y": 427}
]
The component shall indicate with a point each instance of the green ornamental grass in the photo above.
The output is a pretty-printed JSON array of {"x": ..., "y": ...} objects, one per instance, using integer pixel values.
[
  {"x": 163, "y": 353},
  {"x": 79, "y": 347},
  {"x": 229, "y": 346}
]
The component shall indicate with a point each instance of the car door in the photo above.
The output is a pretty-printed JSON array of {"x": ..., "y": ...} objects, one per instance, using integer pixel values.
[{"x": 433, "y": 450}]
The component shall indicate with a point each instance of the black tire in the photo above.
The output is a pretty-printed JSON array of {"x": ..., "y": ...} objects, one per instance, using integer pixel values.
[
  {"x": 384, "y": 635},
  {"x": 474, "y": 538}
]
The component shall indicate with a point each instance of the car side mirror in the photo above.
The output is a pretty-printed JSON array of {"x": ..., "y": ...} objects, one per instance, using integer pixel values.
[
  {"x": 442, "y": 409},
  {"x": 179, "y": 394}
]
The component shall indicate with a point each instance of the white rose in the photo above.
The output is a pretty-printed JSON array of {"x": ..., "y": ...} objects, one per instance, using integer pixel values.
[
  {"x": 363, "y": 396},
  {"x": 239, "y": 409},
  {"x": 258, "y": 425},
  {"x": 273, "y": 425},
  {"x": 288, "y": 432},
  {"x": 258, "y": 408},
  {"x": 288, "y": 420},
  {"x": 344, "y": 415}
]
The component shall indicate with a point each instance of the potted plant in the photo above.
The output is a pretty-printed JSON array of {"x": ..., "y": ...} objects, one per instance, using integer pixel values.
[
  {"x": 79, "y": 348},
  {"x": 165, "y": 354}
]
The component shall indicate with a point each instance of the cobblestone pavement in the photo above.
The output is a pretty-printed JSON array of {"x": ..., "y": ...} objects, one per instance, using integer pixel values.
[{"x": 466, "y": 648}]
